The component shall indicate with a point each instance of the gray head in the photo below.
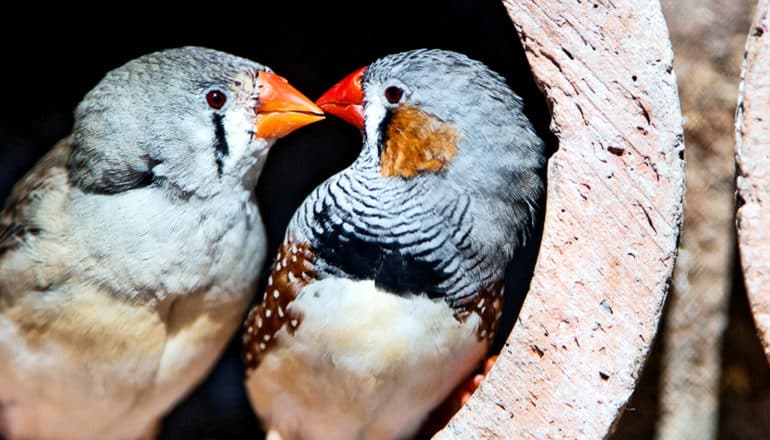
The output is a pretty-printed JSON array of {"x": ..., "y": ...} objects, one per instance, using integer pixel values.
[
  {"x": 191, "y": 118},
  {"x": 449, "y": 124}
]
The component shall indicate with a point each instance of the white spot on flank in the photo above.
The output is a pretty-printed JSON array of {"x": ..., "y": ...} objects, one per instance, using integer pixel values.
[
  {"x": 294, "y": 323},
  {"x": 291, "y": 277},
  {"x": 250, "y": 330},
  {"x": 266, "y": 338},
  {"x": 293, "y": 249},
  {"x": 270, "y": 280},
  {"x": 278, "y": 266},
  {"x": 483, "y": 334},
  {"x": 293, "y": 258},
  {"x": 268, "y": 313},
  {"x": 276, "y": 293},
  {"x": 480, "y": 305},
  {"x": 280, "y": 312},
  {"x": 262, "y": 346}
]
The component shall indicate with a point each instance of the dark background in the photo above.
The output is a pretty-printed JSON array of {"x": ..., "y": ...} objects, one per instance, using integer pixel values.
[{"x": 48, "y": 67}]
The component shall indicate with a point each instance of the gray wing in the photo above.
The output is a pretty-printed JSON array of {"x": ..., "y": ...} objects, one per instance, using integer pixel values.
[{"x": 17, "y": 223}]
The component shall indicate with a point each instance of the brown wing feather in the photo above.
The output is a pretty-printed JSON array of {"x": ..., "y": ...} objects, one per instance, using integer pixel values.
[
  {"x": 292, "y": 271},
  {"x": 11, "y": 236},
  {"x": 49, "y": 174}
]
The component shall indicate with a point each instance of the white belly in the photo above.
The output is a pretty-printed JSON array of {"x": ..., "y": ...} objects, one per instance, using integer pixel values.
[
  {"x": 363, "y": 364},
  {"x": 130, "y": 365}
]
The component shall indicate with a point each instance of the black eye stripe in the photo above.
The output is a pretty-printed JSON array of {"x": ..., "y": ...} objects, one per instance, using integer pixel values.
[
  {"x": 382, "y": 131},
  {"x": 221, "y": 149}
]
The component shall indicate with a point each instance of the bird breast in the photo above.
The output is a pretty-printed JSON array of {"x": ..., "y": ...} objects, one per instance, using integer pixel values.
[
  {"x": 163, "y": 246},
  {"x": 363, "y": 358}
]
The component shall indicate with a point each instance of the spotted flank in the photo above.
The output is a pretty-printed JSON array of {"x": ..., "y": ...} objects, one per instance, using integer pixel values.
[
  {"x": 488, "y": 304},
  {"x": 292, "y": 270}
]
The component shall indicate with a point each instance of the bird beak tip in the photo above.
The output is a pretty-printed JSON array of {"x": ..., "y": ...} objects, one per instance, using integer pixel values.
[
  {"x": 282, "y": 109},
  {"x": 345, "y": 99}
]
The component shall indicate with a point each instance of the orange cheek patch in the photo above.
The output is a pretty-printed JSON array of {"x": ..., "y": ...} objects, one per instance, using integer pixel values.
[{"x": 417, "y": 143}]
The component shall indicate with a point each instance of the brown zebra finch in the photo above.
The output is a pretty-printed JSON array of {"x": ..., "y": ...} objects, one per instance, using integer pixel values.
[
  {"x": 387, "y": 290},
  {"x": 130, "y": 252}
]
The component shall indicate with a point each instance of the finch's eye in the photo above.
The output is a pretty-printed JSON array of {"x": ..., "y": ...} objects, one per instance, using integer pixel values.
[
  {"x": 393, "y": 94},
  {"x": 216, "y": 99}
]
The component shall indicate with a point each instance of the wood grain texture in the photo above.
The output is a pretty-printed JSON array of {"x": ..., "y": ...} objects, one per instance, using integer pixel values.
[
  {"x": 753, "y": 170},
  {"x": 614, "y": 209}
]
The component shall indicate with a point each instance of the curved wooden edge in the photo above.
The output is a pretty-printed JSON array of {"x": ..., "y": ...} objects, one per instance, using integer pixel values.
[
  {"x": 614, "y": 207},
  {"x": 753, "y": 170}
]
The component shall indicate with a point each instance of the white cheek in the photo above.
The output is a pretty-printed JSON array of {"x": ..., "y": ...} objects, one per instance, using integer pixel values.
[
  {"x": 238, "y": 127},
  {"x": 375, "y": 112}
]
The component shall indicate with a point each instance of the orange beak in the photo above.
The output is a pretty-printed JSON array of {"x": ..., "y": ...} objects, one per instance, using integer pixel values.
[
  {"x": 346, "y": 99},
  {"x": 282, "y": 108}
]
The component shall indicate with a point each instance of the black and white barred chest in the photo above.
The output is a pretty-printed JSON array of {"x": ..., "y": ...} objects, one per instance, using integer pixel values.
[{"x": 395, "y": 238}]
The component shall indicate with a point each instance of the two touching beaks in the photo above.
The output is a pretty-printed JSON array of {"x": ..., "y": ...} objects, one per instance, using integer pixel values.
[{"x": 284, "y": 109}]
